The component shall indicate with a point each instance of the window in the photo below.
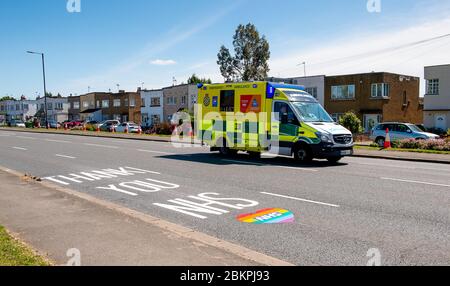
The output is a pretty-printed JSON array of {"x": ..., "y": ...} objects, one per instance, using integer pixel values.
[
  {"x": 285, "y": 114},
  {"x": 183, "y": 100},
  {"x": 143, "y": 102},
  {"x": 380, "y": 90},
  {"x": 172, "y": 100},
  {"x": 85, "y": 104},
  {"x": 116, "y": 103},
  {"x": 312, "y": 91},
  {"x": 59, "y": 106},
  {"x": 49, "y": 106},
  {"x": 401, "y": 128},
  {"x": 105, "y": 103},
  {"x": 17, "y": 107},
  {"x": 98, "y": 104},
  {"x": 156, "y": 119},
  {"x": 126, "y": 102},
  {"x": 132, "y": 102},
  {"x": 155, "y": 102},
  {"x": 76, "y": 105},
  {"x": 337, "y": 116},
  {"x": 25, "y": 106},
  {"x": 42, "y": 106},
  {"x": 433, "y": 86},
  {"x": 343, "y": 92},
  {"x": 227, "y": 100}
]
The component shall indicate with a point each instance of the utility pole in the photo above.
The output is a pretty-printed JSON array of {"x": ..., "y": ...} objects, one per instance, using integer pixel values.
[{"x": 45, "y": 87}]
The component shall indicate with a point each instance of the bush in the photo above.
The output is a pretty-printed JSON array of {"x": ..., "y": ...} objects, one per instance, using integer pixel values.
[
  {"x": 161, "y": 129},
  {"x": 351, "y": 121},
  {"x": 434, "y": 144}
]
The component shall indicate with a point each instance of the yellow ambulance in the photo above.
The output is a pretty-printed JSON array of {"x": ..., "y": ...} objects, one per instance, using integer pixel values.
[{"x": 265, "y": 117}]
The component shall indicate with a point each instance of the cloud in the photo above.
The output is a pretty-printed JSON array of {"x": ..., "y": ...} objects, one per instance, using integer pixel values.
[{"x": 160, "y": 62}]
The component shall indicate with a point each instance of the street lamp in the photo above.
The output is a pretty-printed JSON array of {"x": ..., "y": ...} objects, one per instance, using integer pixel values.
[
  {"x": 45, "y": 87},
  {"x": 304, "y": 66}
]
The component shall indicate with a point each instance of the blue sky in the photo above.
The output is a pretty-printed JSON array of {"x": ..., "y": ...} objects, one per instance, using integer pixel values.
[{"x": 151, "y": 41}]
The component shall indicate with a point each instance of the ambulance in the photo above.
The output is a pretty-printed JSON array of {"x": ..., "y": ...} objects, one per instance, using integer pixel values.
[{"x": 265, "y": 117}]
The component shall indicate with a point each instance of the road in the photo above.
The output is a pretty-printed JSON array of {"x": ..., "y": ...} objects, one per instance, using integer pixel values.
[{"x": 346, "y": 214}]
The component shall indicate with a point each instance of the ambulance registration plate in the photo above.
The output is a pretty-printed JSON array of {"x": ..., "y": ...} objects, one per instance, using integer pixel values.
[{"x": 346, "y": 153}]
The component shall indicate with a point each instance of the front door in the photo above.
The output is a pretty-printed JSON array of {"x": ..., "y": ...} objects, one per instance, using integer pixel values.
[
  {"x": 441, "y": 122},
  {"x": 370, "y": 121}
]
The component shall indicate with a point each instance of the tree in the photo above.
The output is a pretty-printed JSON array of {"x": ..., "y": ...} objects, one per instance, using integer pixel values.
[
  {"x": 195, "y": 80},
  {"x": 5, "y": 98},
  {"x": 251, "y": 56},
  {"x": 351, "y": 121}
]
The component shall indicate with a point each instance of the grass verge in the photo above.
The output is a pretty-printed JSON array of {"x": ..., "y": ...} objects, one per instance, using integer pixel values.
[
  {"x": 404, "y": 150},
  {"x": 15, "y": 253}
]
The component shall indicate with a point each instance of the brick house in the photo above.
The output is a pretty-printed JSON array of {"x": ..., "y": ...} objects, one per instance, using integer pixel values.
[
  {"x": 179, "y": 97},
  {"x": 374, "y": 97},
  {"x": 74, "y": 108}
]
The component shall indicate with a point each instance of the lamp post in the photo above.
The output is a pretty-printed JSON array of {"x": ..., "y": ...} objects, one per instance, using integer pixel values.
[
  {"x": 45, "y": 87},
  {"x": 304, "y": 67}
]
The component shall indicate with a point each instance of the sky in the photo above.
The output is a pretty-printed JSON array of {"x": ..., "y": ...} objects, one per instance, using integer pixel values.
[{"x": 148, "y": 43}]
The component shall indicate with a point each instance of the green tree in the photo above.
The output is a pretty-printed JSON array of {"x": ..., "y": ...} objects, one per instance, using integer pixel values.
[
  {"x": 194, "y": 79},
  {"x": 5, "y": 98},
  {"x": 251, "y": 56},
  {"x": 351, "y": 121}
]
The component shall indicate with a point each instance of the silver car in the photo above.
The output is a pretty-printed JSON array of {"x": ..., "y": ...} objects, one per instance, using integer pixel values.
[{"x": 399, "y": 131}]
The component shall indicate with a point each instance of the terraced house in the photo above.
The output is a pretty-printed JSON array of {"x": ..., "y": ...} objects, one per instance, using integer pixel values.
[{"x": 375, "y": 97}]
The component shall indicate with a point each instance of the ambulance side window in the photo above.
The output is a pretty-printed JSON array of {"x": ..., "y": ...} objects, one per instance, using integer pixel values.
[
  {"x": 227, "y": 100},
  {"x": 285, "y": 114}
]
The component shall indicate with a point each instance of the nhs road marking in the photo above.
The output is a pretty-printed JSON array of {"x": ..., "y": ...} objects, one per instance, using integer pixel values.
[
  {"x": 20, "y": 148},
  {"x": 142, "y": 186},
  {"x": 102, "y": 146},
  {"x": 65, "y": 156},
  {"x": 156, "y": 152},
  {"x": 300, "y": 199},
  {"x": 206, "y": 204},
  {"x": 416, "y": 182}
]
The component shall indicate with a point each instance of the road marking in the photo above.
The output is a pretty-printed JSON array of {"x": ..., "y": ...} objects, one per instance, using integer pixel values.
[
  {"x": 156, "y": 152},
  {"x": 4, "y": 135},
  {"x": 302, "y": 200},
  {"x": 65, "y": 156},
  {"x": 298, "y": 168},
  {"x": 20, "y": 148},
  {"x": 26, "y": 137},
  {"x": 416, "y": 182},
  {"x": 242, "y": 162},
  {"x": 57, "y": 141},
  {"x": 103, "y": 146}
]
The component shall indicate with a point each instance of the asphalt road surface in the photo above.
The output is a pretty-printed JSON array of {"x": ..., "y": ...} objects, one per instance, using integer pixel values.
[{"x": 358, "y": 212}]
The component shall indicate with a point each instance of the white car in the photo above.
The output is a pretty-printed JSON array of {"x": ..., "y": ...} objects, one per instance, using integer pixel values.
[
  {"x": 19, "y": 124},
  {"x": 131, "y": 127}
]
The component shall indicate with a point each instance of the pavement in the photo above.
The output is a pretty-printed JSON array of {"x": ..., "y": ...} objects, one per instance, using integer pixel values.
[
  {"x": 56, "y": 222},
  {"x": 341, "y": 213}
]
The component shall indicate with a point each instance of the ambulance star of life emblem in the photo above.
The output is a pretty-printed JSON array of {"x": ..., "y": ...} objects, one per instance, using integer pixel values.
[{"x": 207, "y": 101}]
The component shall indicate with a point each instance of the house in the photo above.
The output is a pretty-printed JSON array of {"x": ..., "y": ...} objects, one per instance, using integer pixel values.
[
  {"x": 74, "y": 108},
  {"x": 437, "y": 97},
  {"x": 22, "y": 110},
  {"x": 152, "y": 109},
  {"x": 57, "y": 108},
  {"x": 101, "y": 106},
  {"x": 179, "y": 97},
  {"x": 375, "y": 97},
  {"x": 314, "y": 85}
]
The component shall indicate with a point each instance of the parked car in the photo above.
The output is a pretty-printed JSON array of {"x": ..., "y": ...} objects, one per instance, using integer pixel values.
[
  {"x": 17, "y": 123},
  {"x": 51, "y": 124},
  {"x": 92, "y": 125},
  {"x": 399, "y": 131},
  {"x": 130, "y": 126},
  {"x": 109, "y": 125}
]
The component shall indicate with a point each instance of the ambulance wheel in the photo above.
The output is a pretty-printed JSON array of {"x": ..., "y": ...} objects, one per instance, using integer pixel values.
[
  {"x": 303, "y": 154},
  {"x": 380, "y": 141},
  {"x": 224, "y": 150}
]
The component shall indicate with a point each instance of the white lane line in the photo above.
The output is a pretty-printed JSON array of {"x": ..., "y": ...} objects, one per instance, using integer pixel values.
[
  {"x": 156, "y": 152},
  {"x": 65, "y": 156},
  {"x": 5, "y": 135},
  {"x": 103, "y": 146},
  {"x": 302, "y": 200},
  {"x": 26, "y": 137},
  {"x": 298, "y": 168},
  {"x": 20, "y": 148},
  {"x": 416, "y": 182},
  {"x": 57, "y": 141}
]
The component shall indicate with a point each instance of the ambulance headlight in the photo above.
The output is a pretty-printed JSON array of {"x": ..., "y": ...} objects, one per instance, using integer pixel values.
[{"x": 326, "y": 138}]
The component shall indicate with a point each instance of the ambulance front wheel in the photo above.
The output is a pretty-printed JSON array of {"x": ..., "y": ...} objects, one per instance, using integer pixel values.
[{"x": 303, "y": 153}]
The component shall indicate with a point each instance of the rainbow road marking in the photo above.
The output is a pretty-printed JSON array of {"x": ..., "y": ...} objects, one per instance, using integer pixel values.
[{"x": 268, "y": 216}]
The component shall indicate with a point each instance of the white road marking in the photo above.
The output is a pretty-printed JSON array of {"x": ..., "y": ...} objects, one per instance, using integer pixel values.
[
  {"x": 103, "y": 146},
  {"x": 298, "y": 168},
  {"x": 4, "y": 135},
  {"x": 57, "y": 141},
  {"x": 416, "y": 182},
  {"x": 302, "y": 200},
  {"x": 26, "y": 137},
  {"x": 65, "y": 156},
  {"x": 156, "y": 152},
  {"x": 20, "y": 148}
]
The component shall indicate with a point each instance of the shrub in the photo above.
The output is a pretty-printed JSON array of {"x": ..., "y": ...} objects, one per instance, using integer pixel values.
[
  {"x": 434, "y": 144},
  {"x": 351, "y": 121}
]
